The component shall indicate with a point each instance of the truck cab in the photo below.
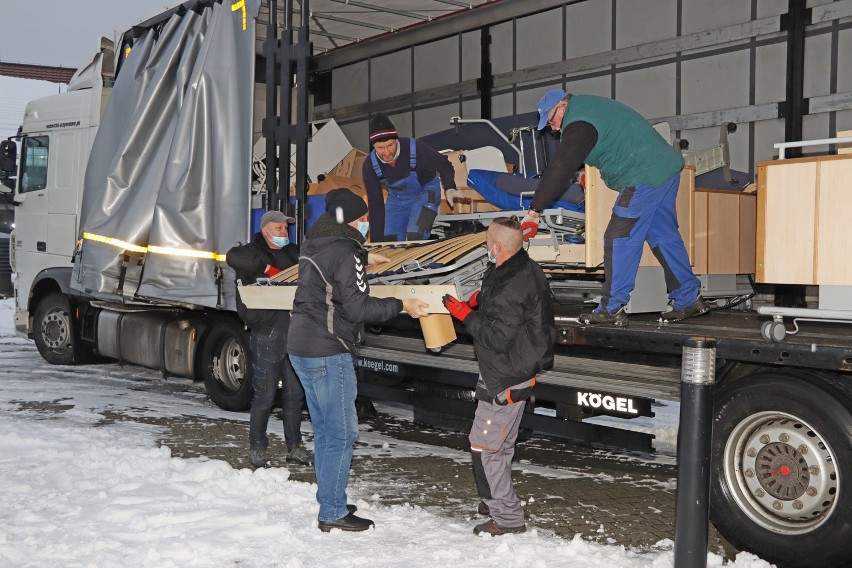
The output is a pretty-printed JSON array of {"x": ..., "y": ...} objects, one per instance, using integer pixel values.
[{"x": 55, "y": 139}]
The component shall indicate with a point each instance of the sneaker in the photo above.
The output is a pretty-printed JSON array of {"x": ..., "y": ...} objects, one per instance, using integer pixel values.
[
  {"x": 349, "y": 523},
  {"x": 483, "y": 509},
  {"x": 696, "y": 308},
  {"x": 257, "y": 457},
  {"x": 603, "y": 317},
  {"x": 300, "y": 455},
  {"x": 492, "y": 528}
]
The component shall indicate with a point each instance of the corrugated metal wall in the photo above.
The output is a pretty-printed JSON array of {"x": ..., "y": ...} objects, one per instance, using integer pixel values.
[{"x": 694, "y": 62}]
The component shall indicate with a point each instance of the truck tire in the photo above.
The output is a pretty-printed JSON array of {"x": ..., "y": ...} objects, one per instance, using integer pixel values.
[
  {"x": 53, "y": 329},
  {"x": 226, "y": 366},
  {"x": 782, "y": 470}
]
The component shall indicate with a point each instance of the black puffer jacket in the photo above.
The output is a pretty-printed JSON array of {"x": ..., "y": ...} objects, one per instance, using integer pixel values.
[
  {"x": 333, "y": 253},
  {"x": 513, "y": 329},
  {"x": 249, "y": 262}
]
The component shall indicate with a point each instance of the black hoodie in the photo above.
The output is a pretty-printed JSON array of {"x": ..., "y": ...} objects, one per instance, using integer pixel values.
[{"x": 333, "y": 298}]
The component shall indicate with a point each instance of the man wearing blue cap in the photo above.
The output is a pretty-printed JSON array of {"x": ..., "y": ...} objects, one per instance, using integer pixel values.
[{"x": 634, "y": 159}]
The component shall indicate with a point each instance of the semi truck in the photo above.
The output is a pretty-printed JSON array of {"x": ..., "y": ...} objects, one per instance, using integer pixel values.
[{"x": 129, "y": 188}]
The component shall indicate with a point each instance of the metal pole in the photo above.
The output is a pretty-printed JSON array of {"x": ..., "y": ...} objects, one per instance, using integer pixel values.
[
  {"x": 270, "y": 122},
  {"x": 303, "y": 125},
  {"x": 795, "y": 107},
  {"x": 695, "y": 433}
]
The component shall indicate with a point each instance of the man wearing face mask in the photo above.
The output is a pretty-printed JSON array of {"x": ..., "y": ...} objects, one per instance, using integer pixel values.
[
  {"x": 510, "y": 321},
  {"x": 331, "y": 306},
  {"x": 413, "y": 172},
  {"x": 269, "y": 253}
]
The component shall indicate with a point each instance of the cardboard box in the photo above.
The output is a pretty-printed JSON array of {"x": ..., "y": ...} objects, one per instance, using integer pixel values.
[
  {"x": 351, "y": 165},
  {"x": 330, "y": 182}
]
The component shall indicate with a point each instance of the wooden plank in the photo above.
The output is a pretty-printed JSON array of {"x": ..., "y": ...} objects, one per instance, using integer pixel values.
[
  {"x": 723, "y": 237},
  {"x": 786, "y": 219},
  {"x": 281, "y": 297},
  {"x": 834, "y": 230},
  {"x": 701, "y": 231},
  {"x": 570, "y": 253},
  {"x": 748, "y": 234}
]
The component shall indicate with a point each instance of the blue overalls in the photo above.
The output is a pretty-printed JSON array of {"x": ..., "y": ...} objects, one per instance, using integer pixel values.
[{"x": 410, "y": 208}]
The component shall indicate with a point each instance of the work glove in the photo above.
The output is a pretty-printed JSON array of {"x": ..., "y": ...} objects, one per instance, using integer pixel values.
[
  {"x": 271, "y": 270},
  {"x": 529, "y": 227},
  {"x": 473, "y": 301},
  {"x": 458, "y": 309},
  {"x": 451, "y": 195}
]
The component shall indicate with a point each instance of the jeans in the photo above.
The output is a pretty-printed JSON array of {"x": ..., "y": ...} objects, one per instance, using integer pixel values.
[
  {"x": 330, "y": 389},
  {"x": 269, "y": 366}
]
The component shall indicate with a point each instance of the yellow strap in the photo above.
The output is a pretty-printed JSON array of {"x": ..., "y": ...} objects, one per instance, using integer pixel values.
[{"x": 154, "y": 249}]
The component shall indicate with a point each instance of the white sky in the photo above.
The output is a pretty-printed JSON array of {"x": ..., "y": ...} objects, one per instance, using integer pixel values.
[
  {"x": 66, "y": 32},
  {"x": 74, "y": 494}
]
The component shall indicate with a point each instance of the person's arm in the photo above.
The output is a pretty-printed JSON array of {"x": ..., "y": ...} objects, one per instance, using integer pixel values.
[
  {"x": 375, "y": 201},
  {"x": 432, "y": 161},
  {"x": 578, "y": 139},
  {"x": 245, "y": 258},
  {"x": 498, "y": 334},
  {"x": 350, "y": 290}
]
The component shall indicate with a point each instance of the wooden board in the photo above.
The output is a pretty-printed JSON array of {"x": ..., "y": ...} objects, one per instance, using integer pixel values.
[
  {"x": 724, "y": 232},
  {"x": 833, "y": 223},
  {"x": 281, "y": 297}
]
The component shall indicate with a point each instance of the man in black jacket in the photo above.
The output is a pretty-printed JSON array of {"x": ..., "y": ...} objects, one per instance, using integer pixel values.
[
  {"x": 513, "y": 334},
  {"x": 332, "y": 303},
  {"x": 269, "y": 253}
]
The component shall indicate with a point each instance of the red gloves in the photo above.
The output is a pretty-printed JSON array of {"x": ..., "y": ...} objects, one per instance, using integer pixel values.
[
  {"x": 271, "y": 270},
  {"x": 458, "y": 309},
  {"x": 529, "y": 229},
  {"x": 473, "y": 301}
]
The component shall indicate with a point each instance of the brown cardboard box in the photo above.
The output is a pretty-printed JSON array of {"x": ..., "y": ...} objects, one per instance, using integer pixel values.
[
  {"x": 330, "y": 182},
  {"x": 351, "y": 165}
]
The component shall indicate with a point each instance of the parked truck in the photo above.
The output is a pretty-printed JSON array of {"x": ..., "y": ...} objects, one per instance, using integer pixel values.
[{"x": 130, "y": 187}]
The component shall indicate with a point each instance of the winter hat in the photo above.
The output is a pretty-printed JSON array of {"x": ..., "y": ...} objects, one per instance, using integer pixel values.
[
  {"x": 275, "y": 217},
  {"x": 351, "y": 206},
  {"x": 381, "y": 128}
]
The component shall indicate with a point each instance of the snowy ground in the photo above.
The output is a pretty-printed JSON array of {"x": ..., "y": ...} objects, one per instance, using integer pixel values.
[{"x": 80, "y": 492}]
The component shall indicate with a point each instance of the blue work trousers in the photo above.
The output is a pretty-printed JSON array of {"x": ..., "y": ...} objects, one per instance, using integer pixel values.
[{"x": 644, "y": 213}]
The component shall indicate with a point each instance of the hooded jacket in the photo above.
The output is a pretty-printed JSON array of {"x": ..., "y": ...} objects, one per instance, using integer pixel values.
[
  {"x": 513, "y": 329},
  {"x": 249, "y": 262},
  {"x": 333, "y": 298}
]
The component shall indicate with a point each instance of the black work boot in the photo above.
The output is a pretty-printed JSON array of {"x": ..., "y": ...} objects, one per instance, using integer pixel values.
[
  {"x": 483, "y": 509},
  {"x": 696, "y": 308},
  {"x": 349, "y": 523},
  {"x": 257, "y": 457},
  {"x": 492, "y": 528},
  {"x": 603, "y": 317}
]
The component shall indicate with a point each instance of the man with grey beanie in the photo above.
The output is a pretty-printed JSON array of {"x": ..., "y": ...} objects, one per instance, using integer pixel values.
[{"x": 270, "y": 252}]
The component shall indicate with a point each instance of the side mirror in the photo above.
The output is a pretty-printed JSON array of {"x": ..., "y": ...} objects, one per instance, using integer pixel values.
[{"x": 8, "y": 158}]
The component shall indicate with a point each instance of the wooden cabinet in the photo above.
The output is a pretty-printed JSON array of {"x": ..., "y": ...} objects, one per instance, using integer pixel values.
[
  {"x": 724, "y": 227},
  {"x": 803, "y": 222}
]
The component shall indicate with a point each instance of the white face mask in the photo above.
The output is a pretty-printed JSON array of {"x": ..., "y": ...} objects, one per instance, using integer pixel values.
[
  {"x": 363, "y": 228},
  {"x": 492, "y": 259}
]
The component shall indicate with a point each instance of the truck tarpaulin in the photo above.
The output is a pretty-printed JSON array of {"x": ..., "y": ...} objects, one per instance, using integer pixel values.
[{"x": 167, "y": 182}]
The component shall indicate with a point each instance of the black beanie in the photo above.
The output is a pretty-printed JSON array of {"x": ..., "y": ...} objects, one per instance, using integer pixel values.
[
  {"x": 381, "y": 128},
  {"x": 351, "y": 205}
]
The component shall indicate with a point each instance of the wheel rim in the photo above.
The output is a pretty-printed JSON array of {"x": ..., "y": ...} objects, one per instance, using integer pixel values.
[
  {"x": 55, "y": 329},
  {"x": 781, "y": 473},
  {"x": 229, "y": 368}
]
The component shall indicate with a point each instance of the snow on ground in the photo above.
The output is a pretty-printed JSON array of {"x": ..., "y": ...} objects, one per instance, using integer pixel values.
[{"x": 76, "y": 494}]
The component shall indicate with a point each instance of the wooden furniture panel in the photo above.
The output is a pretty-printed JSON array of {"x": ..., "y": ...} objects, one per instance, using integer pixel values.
[
  {"x": 833, "y": 232},
  {"x": 599, "y": 202},
  {"x": 724, "y": 232},
  {"x": 786, "y": 222}
]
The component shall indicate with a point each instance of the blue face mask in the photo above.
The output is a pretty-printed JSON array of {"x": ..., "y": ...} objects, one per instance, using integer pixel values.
[
  {"x": 492, "y": 259},
  {"x": 363, "y": 228},
  {"x": 280, "y": 241}
]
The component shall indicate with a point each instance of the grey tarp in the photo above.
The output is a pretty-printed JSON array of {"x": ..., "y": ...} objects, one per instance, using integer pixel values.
[{"x": 168, "y": 177}]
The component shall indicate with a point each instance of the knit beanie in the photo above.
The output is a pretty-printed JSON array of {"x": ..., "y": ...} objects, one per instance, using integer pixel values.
[
  {"x": 381, "y": 128},
  {"x": 351, "y": 206}
]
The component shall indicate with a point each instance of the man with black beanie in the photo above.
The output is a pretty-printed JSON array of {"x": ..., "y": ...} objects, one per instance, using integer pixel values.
[
  {"x": 331, "y": 306},
  {"x": 413, "y": 172}
]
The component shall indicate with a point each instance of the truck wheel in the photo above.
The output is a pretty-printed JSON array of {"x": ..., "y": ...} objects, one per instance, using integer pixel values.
[
  {"x": 226, "y": 367},
  {"x": 53, "y": 329},
  {"x": 782, "y": 470}
]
